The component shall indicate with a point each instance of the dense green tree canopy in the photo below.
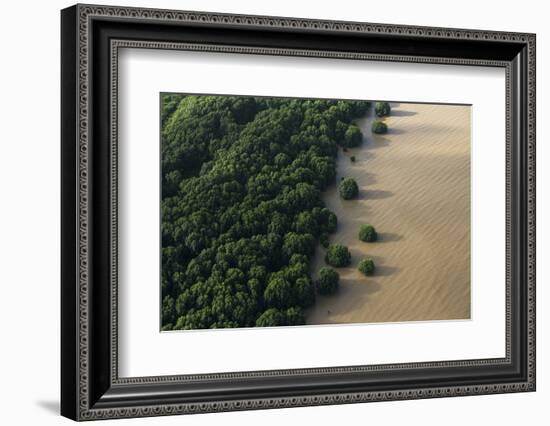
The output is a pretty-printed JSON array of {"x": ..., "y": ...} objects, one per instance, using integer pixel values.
[
  {"x": 295, "y": 316},
  {"x": 382, "y": 109},
  {"x": 338, "y": 255},
  {"x": 352, "y": 137},
  {"x": 273, "y": 317},
  {"x": 379, "y": 127},
  {"x": 270, "y": 318},
  {"x": 367, "y": 233},
  {"x": 348, "y": 188},
  {"x": 327, "y": 281},
  {"x": 241, "y": 207},
  {"x": 366, "y": 266}
]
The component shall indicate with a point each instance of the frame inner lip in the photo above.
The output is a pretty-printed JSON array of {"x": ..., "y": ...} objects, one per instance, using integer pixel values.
[{"x": 115, "y": 45}]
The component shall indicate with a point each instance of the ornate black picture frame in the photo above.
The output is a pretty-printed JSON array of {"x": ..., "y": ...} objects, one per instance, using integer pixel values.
[{"x": 91, "y": 36}]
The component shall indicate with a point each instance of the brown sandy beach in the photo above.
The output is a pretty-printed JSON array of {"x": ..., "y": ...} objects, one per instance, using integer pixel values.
[{"x": 415, "y": 189}]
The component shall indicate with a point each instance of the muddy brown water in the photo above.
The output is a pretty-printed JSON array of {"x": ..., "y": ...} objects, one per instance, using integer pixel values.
[{"x": 415, "y": 189}]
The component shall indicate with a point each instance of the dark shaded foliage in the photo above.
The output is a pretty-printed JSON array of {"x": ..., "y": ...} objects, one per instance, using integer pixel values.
[
  {"x": 379, "y": 127},
  {"x": 348, "y": 188},
  {"x": 327, "y": 281},
  {"x": 273, "y": 317},
  {"x": 270, "y": 318},
  {"x": 352, "y": 137},
  {"x": 382, "y": 109},
  {"x": 366, "y": 266},
  {"x": 367, "y": 233},
  {"x": 338, "y": 255}
]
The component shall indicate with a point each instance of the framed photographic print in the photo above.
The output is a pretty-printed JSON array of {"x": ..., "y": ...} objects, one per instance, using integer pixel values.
[{"x": 263, "y": 212}]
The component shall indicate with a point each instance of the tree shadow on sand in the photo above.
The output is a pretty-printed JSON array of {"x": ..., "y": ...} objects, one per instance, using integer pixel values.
[
  {"x": 372, "y": 287},
  {"x": 386, "y": 237},
  {"x": 367, "y": 178},
  {"x": 367, "y": 287},
  {"x": 394, "y": 131},
  {"x": 376, "y": 142},
  {"x": 381, "y": 269},
  {"x": 385, "y": 270},
  {"x": 376, "y": 194},
  {"x": 402, "y": 113}
]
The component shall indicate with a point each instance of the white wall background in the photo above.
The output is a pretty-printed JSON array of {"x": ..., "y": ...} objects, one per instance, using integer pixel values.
[{"x": 29, "y": 225}]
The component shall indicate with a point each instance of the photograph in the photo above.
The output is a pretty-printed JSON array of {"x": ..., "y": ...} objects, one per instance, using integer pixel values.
[
  {"x": 273, "y": 208},
  {"x": 303, "y": 211}
]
